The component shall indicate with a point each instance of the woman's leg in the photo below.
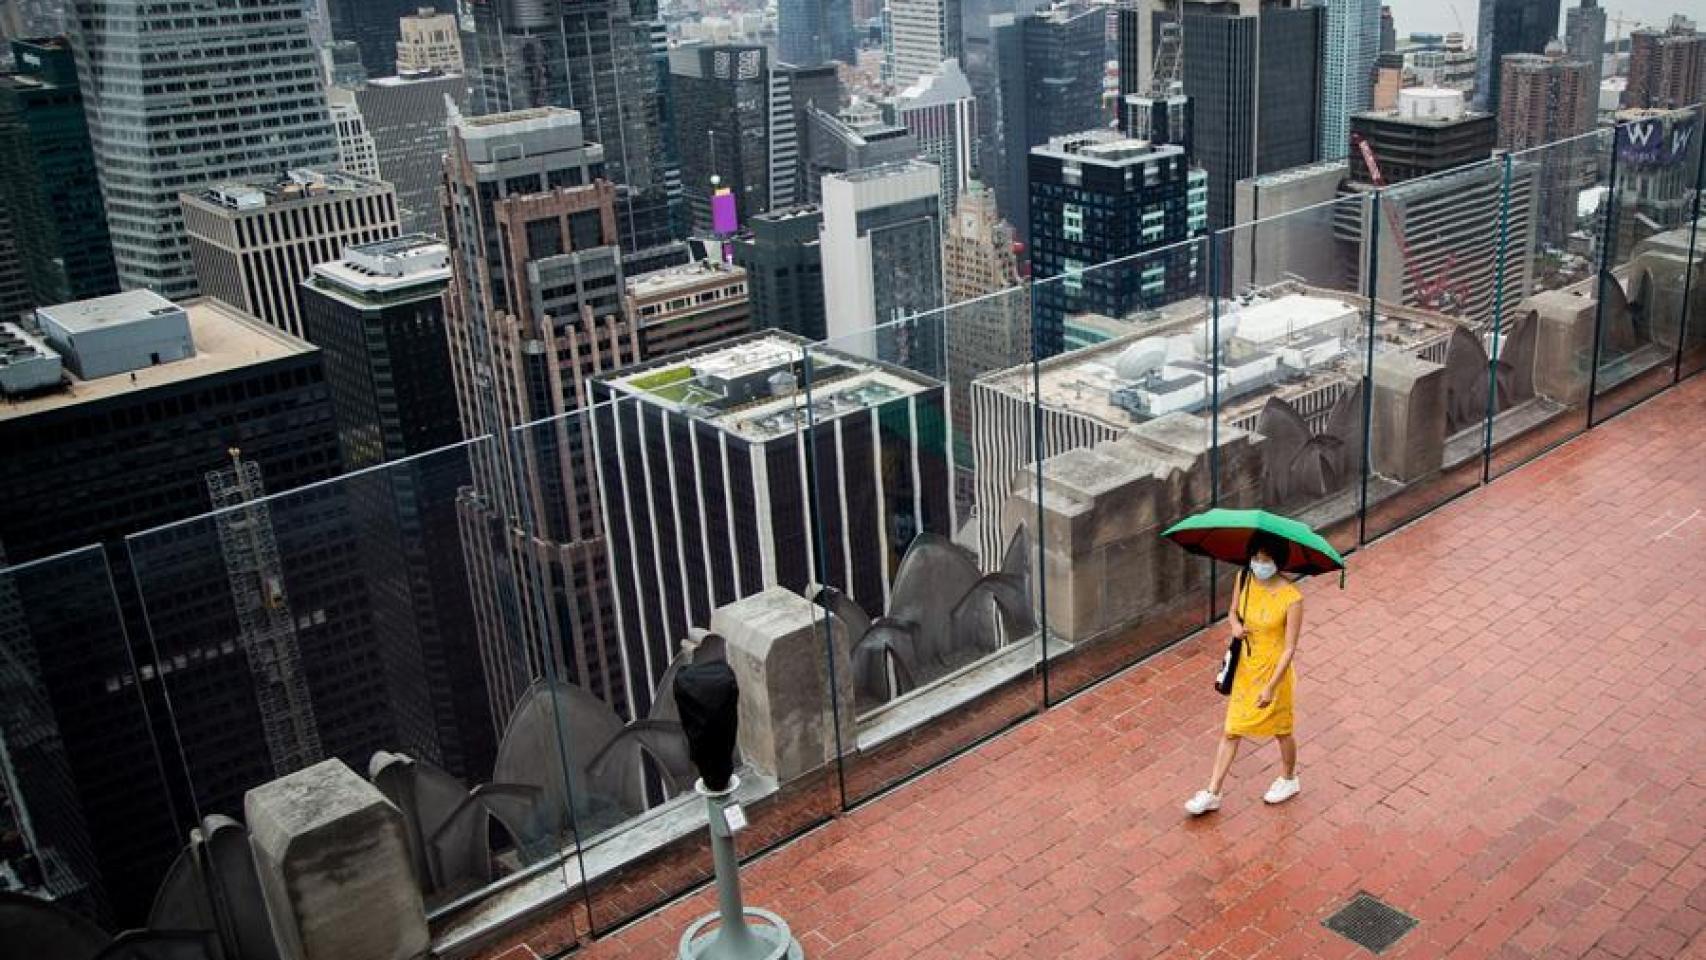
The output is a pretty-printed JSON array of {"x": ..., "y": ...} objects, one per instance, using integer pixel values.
[
  {"x": 1223, "y": 761},
  {"x": 1288, "y": 754}
]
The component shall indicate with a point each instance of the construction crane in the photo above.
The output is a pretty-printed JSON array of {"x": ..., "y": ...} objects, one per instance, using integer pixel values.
[
  {"x": 1442, "y": 292},
  {"x": 1619, "y": 21}
]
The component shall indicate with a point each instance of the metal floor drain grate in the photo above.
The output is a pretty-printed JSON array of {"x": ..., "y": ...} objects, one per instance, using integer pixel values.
[{"x": 1369, "y": 923}]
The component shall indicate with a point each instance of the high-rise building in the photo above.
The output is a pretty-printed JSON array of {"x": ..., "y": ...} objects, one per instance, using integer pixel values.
[
  {"x": 855, "y": 139},
  {"x": 1388, "y": 80},
  {"x": 20, "y": 19},
  {"x": 47, "y": 178},
  {"x": 1428, "y": 132},
  {"x": 374, "y": 26},
  {"x": 1545, "y": 101},
  {"x": 1388, "y": 30},
  {"x": 408, "y": 118},
  {"x": 810, "y": 33},
  {"x": 808, "y": 87},
  {"x": 918, "y": 36},
  {"x": 246, "y": 100},
  {"x": 882, "y": 263},
  {"x": 722, "y": 108},
  {"x": 1352, "y": 43},
  {"x": 597, "y": 57},
  {"x": 15, "y": 299},
  {"x": 1584, "y": 40},
  {"x": 689, "y": 307},
  {"x": 941, "y": 113},
  {"x": 159, "y": 395},
  {"x": 1049, "y": 66},
  {"x": 1507, "y": 27},
  {"x": 357, "y": 152},
  {"x": 703, "y": 464},
  {"x": 1099, "y": 197},
  {"x": 1667, "y": 69},
  {"x": 341, "y": 61},
  {"x": 1446, "y": 69},
  {"x": 254, "y": 242},
  {"x": 1657, "y": 157},
  {"x": 783, "y": 259},
  {"x": 534, "y": 310},
  {"x": 429, "y": 41},
  {"x": 377, "y": 314}
]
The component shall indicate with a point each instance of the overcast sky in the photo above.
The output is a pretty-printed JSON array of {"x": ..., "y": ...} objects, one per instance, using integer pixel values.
[{"x": 1435, "y": 16}]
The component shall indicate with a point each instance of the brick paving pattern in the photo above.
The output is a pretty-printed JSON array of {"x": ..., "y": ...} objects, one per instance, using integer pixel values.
[{"x": 1501, "y": 727}]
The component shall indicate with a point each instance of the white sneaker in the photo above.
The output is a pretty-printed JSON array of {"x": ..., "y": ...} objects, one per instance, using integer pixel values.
[
  {"x": 1282, "y": 790},
  {"x": 1202, "y": 803}
]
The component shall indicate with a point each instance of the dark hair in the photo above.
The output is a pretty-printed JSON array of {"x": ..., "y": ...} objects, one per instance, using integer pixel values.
[{"x": 1261, "y": 541}]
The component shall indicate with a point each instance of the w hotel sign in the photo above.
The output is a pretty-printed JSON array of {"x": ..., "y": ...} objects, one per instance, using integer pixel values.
[{"x": 1657, "y": 141}]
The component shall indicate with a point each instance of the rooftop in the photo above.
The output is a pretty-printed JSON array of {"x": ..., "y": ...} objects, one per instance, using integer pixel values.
[
  {"x": 684, "y": 276},
  {"x": 82, "y": 316},
  {"x": 293, "y": 187},
  {"x": 1105, "y": 146},
  {"x": 386, "y": 268}
]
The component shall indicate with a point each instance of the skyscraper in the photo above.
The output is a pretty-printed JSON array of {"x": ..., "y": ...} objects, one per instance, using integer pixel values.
[
  {"x": 722, "y": 111},
  {"x": 48, "y": 181},
  {"x": 247, "y": 101},
  {"x": 920, "y": 35},
  {"x": 408, "y": 120},
  {"x": 854, "y": 139},
  {"x": 594, "y": 56},
  {"x": 1667, "y": 69},
  {"x": 1388, "y": 30},
  {"x": 813, "y": 32},
  {"x": 534, "y": 310},
  {"x": 429, "y": 40},
  {"x": 357, "y": 153},
  {"x": 1507, "y": 27},
  {"x": 1099, "y": 197},
  {"x": 783, "y": 259},
  {"x": 1543, "y": 102},
  {"x": 374, "y": 26},
  {"x": 882, "y": 262},
  {"x": 1584, "y": 40},
  {"x": 688, "y": 307},
  {"x": 1353, "y": 42},
  {"x": 942, "y": 114},
  {"x": 1050, "y": 68}
]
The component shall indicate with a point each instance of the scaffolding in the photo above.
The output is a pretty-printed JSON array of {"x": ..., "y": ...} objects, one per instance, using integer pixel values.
[{"x": 266, "y": 627}]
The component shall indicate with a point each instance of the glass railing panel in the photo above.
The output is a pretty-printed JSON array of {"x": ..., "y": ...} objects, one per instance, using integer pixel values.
[
  {"x": 922, "y": 533},
  {"x": 88, "y": 822},
  {"x": 1644, "y": 242},
  {"x": 1555, "y": 209},
  {"x": 1692, "y": 306},
  {"x": 1436, "y": 278},
  {"x": 678, "y": 497},
  {"x": 1125, "y": 383}
]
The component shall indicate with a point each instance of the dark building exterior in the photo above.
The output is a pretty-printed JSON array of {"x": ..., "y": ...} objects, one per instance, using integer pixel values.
[
  {"x": 1389, "y": 30},
  {"x": 48, "y": 181},
  {"x": 783, "y": 260},
  {"x": 720, "y": 98},
  {"x": 1507, "y": 27},
  {"x": 855, "y": 139},
  {"x": 1584, "y": 39},
  {"x": 1050, "y": 68},
  {"x": 809, "y": 87},
  {"x": 1411, "y": 147},
  {"x": 1098, "y": 197},
  {"x": 372, "y": 25},
  {"x": 814, "y": 32},
  {"x": 407, "y": 117},
  {"x": 595, "y": 56}
]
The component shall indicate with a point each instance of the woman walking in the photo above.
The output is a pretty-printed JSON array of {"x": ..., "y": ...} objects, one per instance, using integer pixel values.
[{"x": 1267, "y": 613}]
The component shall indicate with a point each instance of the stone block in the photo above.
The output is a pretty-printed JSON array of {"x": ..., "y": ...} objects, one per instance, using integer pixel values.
[
  {"x": 775, "y": 645},
  {"x": 1409, "y": 417},
  {"x": 1563, "y": 345},
  {"x": 333, "y": 861}
]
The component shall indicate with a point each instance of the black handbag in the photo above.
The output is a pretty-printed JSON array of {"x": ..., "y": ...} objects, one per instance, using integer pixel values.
[{"x": 1236, "y": 648}]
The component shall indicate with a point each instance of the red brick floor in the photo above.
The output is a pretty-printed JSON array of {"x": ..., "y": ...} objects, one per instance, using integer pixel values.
[{"x": 1502, "y": 731}]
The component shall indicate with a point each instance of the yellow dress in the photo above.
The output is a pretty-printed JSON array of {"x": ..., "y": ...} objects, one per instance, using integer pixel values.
[{"x": 1264, "y": 620}]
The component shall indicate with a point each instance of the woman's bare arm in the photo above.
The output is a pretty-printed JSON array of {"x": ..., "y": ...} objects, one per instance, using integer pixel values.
[{"x": 1293, "y": 629}]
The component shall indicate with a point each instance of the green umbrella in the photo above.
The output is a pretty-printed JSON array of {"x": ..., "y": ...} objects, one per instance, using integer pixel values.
[{"x": 1225, "y": 535}]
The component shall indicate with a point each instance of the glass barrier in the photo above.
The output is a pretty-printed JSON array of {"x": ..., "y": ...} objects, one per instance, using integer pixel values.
[
  {"x": 923, "y": 534},
  {"x": 1126, "y": 385},
  {"x": 671, "y": 521},
  {"x": 1555, "y": 223},
  {"x": 1692, "y": 357},
  {"x": 87, "y": 820},
  {"x": 1645, "y": 234},
  {"x": 1437, "y": 275},
  {"x": 374, "y": 618}
]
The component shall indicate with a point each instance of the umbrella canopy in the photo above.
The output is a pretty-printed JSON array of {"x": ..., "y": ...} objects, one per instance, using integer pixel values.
[{"x": 1224, "y": 535}]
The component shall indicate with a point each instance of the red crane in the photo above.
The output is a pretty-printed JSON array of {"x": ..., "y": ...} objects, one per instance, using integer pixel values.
[{"x": 1430, "y": 294}]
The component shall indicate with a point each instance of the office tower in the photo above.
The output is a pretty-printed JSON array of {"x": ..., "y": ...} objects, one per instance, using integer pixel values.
[
  {"x": 1352, "y": 43},
  {"x": 722, "y": 108},
  {"x": 1049, "y": 68},
  {"x": 809, "y": 87},
  {"x": 534, "y": 310},
  {"x": 920, "y": 35},
  {"x": 1098, "y": 197},
  {"x": 374, "y": 26},
  {"x": 1507, "y": 27},
  {"x": 703, "y": 466},
  {"x": 255, "y": 241},
  {"x": 689, "y": 307},
  {"x": 941, "y": 113},
  {"x": 358, "y": 154},
  {"x": 48, "y": 181},
  {"x": 158, "y": 395},
  {"x": 341, "y": 62},
  {"x": 15, "y": 299},
  {"x": 408, "y": 118},
  {"x": 429, "y": 40},
  {"x": 810, "y": 33},
  {"x": 1543, "y": 102},
  {"x": 1388, "y": 30},
  {"x": 1657, "y": 160},
  {"x": 1428, "y": 132},
  {"x": 1388, "y": 80},
  {"x": 855, "y": 139},
  {"x": 247, "y": 69},
  {"x": 597, "y": 57},
  {"x": 1447, "y": 69},
  {"x": 1667, "y": 69},
  {"x": 377, "y": 314},
  {"x": 783, "y": 260},
  {"x": 21, "y": 19},
  {"x": 1584, "y": 40},
  {"x": 882, "y": 263}
]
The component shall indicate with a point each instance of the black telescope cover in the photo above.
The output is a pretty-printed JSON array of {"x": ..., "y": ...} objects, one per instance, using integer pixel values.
[{"x": 708, "y": 699}]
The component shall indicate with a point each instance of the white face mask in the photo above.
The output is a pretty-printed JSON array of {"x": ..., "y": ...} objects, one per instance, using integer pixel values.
[{"x": 1264, "y": 569}]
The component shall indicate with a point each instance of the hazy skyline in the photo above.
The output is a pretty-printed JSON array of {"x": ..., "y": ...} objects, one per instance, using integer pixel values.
[{"x": 1435, "y": 16}]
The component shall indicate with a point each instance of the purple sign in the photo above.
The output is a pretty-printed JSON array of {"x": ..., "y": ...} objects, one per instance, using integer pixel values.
[
  {"x": 1655, "y": 141},
  {"x": 724, "y": 220}
]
